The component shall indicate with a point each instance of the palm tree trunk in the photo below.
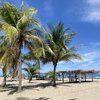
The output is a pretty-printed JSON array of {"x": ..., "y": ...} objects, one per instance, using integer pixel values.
[
  {"x": 54, "y": 75},
  {"x": 4, "y": 77},
  {"x": 19, "y": 64},
  {"x": 20, "y": 77},
  {"x": 30, "y": 78},
  {"x": 39, "y": 64},
  {"x": 13, "y": 72}
]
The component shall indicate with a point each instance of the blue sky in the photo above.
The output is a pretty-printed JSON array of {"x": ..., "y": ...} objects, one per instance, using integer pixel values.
[{"x": 83, "y": 16}]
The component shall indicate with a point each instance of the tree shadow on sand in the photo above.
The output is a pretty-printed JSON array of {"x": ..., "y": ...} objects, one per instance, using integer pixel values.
[
  {"x": 12, "y": 88},
  {"x": 25, "y": 98},
  {"x": 9, "y": 87},
  {"x": 42, "y": 98},
  {"x": 74, "y": 99},
  {"x": 22, "y": 98}
]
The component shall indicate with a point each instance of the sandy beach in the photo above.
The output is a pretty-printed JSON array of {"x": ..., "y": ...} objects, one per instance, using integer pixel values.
[{"x": 41, "y": 90}]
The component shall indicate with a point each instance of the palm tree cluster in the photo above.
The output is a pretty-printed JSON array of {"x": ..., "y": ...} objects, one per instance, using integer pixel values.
[{"x": 22, "y": 30}]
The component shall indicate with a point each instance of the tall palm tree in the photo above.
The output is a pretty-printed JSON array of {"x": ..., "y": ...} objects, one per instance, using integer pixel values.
[
  {"x": 20, "y": 28},
  {"x": 3, "y": 47},
  {"x": 58, "y": 40}
]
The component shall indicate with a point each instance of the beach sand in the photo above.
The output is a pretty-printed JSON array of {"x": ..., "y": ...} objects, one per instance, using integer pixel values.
[{"x": 41, "y": 90}]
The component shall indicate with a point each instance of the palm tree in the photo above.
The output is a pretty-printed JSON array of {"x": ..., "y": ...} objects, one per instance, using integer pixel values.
[
  {"x": 50, "y": 73},
  {"x": 20, "y": 28},
  {"x": 3, "y": 47},
  {"x": 58, "y": 40},
  {"x": 31, "y": 70}
]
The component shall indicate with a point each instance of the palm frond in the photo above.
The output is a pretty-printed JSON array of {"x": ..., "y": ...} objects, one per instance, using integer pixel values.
[
  {"x": 74, "y": 48},
  {"x": 34, "y": 38},
  {"x": 68, "y": 37},
  {"x": 9, "y": 14},
  {"x": 21, "y": 6},
  {"x": 69, "y": 56},
  {"x": 26, "y": 19},
  {"x": 10, "y": 31},
  {"x": 31, "y": 68}
]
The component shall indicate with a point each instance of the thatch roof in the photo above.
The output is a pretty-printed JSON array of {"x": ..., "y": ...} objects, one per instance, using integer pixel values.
[
  {"x": 72, "y": 72},
  {"x": 80, "y": 71}
]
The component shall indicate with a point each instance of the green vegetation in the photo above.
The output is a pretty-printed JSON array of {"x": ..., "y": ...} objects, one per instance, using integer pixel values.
[
  {"x": 50, "y": 73},
  {"x": 31, "y": 70},
  {"x": 20, "y": 28},
  {"x": 58, "y": 40},
  {"x": 21, "y": 31}
]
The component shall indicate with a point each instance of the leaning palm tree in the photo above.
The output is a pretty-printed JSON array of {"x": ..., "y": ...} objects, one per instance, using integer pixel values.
[
  {"x": 4, "y": 71},
  {"x": 20, "y": 28},
  {"x": 31, "y": 70},
  {"x": 58, "y": 40},
  {"x": 3, "y": 47}
]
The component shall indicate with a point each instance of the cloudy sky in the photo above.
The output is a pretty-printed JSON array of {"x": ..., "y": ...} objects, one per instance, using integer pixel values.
[{"x": 83, "y": 16}]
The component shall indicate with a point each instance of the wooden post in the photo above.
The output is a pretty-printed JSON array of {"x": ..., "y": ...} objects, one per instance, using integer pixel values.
[
  {"x": 85, "y": 77},
  {"x": 80, "y": 77},
  {"x": 75, "y": 77},
  {"x": 62, "y": 77},
  {"x": 92, "y": 77},
  {"x": 59, "y": 75},
  {"x": 69, "y": 78}
]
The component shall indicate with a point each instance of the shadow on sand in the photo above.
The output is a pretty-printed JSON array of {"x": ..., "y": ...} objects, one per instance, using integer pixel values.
[
  {"x": 74, "y": 99},
  {"x": 22, "y": 98},
  {"x": 12, "y": 88},
  {"x": 25, "y": 98},
  {"x": 42, "y": 98}
]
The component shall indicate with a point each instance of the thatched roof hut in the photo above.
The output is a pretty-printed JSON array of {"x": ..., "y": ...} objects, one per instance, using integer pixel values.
[{"x": 78, "y": 74}]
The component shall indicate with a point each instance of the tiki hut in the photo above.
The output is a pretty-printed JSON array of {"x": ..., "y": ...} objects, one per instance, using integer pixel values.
[{"x": 78, "y": 75}]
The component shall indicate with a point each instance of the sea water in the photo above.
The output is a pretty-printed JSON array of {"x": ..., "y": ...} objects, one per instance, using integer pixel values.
[{"x": 88, "y": 76}]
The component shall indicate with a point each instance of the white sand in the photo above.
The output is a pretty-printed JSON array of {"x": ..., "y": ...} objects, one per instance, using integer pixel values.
[{"x": 66, "y": 91}]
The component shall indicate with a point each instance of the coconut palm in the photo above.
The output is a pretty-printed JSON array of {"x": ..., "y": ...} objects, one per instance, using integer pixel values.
[
  {"x": 20, "y": 28},
  {"x": 58, "y": 40},
  {"x": 50, "y": 74},
  {"x": 31, "y": 70},
  {"x": 3, "y": 47},
  {"x": 4, "y": 71}
]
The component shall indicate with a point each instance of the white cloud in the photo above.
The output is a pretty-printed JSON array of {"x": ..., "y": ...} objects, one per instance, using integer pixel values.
[
  {"x": 90, "y": 59},
  {"x": 61, "y": 62},
  {"x": 92, "y": 16},
  {"x": 93, "y": 1},
  {"x": 91, "y": 11}
]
